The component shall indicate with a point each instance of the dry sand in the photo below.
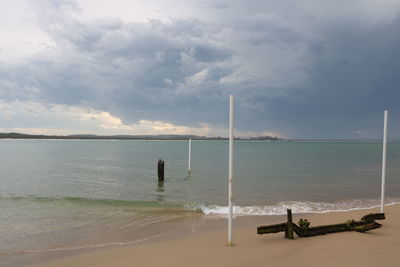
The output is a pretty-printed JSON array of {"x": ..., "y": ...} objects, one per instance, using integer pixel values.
[{"x": 380, "y": 247}]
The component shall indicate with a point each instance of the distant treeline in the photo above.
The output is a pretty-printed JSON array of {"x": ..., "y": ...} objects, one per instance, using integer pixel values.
[{"x": 130, "y": 137}]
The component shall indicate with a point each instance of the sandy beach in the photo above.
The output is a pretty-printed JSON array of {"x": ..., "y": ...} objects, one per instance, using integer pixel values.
[
  {"x": 132, "y": 133},
  {"x": 375, "y": 248}
]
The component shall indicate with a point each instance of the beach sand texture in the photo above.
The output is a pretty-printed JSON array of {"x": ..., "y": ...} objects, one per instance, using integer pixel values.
[{"x": 380, "y": 247}]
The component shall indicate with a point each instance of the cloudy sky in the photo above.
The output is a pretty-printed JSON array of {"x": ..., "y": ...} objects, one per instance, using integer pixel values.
[{"x": 298, "y": 69}]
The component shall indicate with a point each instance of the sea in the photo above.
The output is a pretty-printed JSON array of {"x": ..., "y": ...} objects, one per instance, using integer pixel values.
[{"x": 60, "y": 195}]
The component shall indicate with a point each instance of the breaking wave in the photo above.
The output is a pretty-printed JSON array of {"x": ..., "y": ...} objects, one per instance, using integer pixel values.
[{"x": 296, "y": 207}]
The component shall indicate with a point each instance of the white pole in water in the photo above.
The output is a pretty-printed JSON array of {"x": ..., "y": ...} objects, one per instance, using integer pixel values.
[
  {"x": 230, "y": 182},
  {"x": 384, "y": 159},
  {"x": 190, "y": 155}
]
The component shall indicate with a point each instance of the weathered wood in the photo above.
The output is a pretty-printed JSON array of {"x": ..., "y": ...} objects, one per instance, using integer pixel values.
[
  {"x": 367, "y": 227},
  {"x": 323, "y": 229},
  {"x": 359, "y": 226},
  {"x": 366, "y": 223},
  {"x": 269, "y": 229},
  {"x": 373, "y": 216},
  {"x": 160, "y": 170},
  {"x": 289, "y": 230}
]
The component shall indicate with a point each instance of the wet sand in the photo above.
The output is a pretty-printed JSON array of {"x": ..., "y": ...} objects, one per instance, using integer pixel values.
[{"x": 379, "y": 247}]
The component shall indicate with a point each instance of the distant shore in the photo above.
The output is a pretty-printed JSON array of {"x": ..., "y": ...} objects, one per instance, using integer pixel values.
[
  {"x": 171, "y": 137},
  {"x": 131, "y": 137},
  {"x": 379, "y": 247}
]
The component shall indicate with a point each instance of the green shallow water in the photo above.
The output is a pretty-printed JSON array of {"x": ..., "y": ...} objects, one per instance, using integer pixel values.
[
  {"x": 59, "y": 193},
  {"x": 264, "y": 172}
]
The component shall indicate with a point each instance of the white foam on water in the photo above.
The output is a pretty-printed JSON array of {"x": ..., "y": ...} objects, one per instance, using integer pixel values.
[{"x": 298, "y": 207}]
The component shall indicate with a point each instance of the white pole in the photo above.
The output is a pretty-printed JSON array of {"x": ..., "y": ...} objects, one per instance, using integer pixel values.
[
  {"x": 384, "y": 159},
  {"x": 190, "y": 155},
  {"x": 230, "y": 182}
]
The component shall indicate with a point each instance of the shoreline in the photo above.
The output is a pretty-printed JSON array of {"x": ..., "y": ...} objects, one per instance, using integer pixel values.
[
  {"x": 125, "y": 232},
  {"x": 191, "y": 225},
  {"x": 207, "y": 247}
]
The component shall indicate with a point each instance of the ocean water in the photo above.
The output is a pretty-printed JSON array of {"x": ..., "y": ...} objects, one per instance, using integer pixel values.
[{"x": 72, "y": 194}]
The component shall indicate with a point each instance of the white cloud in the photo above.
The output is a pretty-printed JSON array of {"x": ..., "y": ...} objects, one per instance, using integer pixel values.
[
  {"x": 42, "y": 130},
  {"x": 168, "y": 81},
  {"x": 159, "y": 127},
  {"x": 132, "y": 65},
  {"x": 28, "y": 117},
  {"x": 137, "y": 11},
  {"x": 82, "y": 120},
  {"x": 20, "y": 37}
]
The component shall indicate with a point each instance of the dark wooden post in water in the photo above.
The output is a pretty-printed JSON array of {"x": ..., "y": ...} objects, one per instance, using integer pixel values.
[
  {"x": 289, "y": 230},
  {"x": 160, "y": 170}
]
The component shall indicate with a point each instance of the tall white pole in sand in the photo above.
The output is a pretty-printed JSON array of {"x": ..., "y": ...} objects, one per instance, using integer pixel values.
[
  {"x": 384, "y": 159},
  {"x": 190, "y": 155},
  {"x": 230, "y": 175}
]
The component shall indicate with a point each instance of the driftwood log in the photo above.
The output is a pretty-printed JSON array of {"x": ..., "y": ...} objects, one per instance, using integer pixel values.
[{"x": 304, "y": 230}]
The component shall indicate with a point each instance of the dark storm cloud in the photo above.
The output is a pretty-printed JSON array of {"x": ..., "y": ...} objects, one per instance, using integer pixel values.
[
  {"x": 132, "y": 70},
  {"x": 292, "y": 71},
  {"x": 352, "y": 77}
]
